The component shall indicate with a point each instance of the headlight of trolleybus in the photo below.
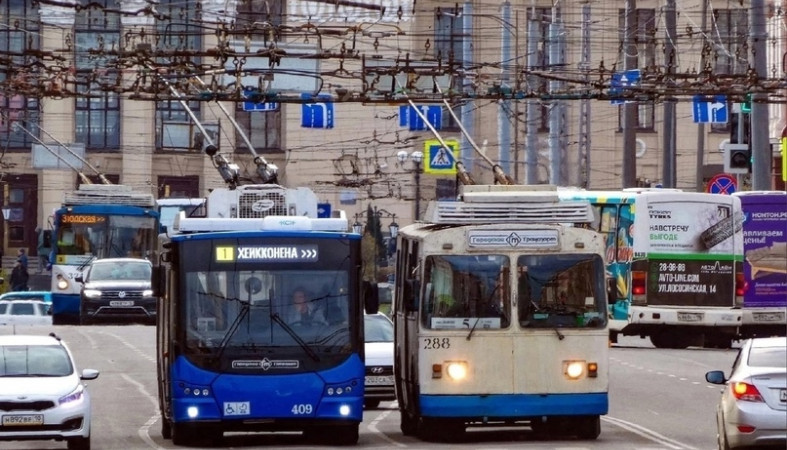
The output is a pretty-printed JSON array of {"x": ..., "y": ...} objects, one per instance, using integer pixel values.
[
  {"x": 62, "y": 283},
  {"x": 574, "y": 370},
  {"x": 456, "y": 370}
]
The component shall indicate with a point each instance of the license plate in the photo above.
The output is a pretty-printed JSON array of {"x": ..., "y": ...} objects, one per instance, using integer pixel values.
[
  {"x": 783, "y": 395},
  {"x": 768, "y": 317},
  {"x": 121, "y": 303},
  {"x": 380, "y": 380},
  {"x": 689, "y": 317},
  {"x": 23, "y": 419}
]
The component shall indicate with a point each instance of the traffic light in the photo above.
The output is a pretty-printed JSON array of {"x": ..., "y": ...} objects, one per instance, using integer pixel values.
[
  {"x": 737, "y": 159},
  {"x": 746, "y": 105}
]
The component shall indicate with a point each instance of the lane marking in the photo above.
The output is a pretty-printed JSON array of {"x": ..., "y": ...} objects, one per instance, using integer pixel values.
[
  {"x": 647, "y": 433},
  {"x": 373, "y": 428},
  {"x": 144, "y": 430}
]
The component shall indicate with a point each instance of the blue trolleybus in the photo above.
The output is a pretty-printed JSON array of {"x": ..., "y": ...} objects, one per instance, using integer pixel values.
[
  {"x": 98, "y": 221},
  {"x": 231, "y": 355},
  {"x": 501, "y": 316}
]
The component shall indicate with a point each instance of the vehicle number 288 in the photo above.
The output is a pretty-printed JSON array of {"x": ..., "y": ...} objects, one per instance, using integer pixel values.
[
  {"x": 437, "y": 343},
  {"x": 301, "y": 408}
]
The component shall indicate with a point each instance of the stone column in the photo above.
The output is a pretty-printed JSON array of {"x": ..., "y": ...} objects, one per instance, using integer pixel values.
[
  {"x": 138, "y": 132},
  {"x": 57, "y": 114}
]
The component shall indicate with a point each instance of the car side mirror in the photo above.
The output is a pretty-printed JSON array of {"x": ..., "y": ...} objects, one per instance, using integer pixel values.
[
  {"x": 79, "y": 279},
  {"x": 715, "y": 377}
]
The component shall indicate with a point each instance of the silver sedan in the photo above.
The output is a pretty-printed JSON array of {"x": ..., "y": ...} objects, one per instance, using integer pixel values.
[{"x": 753, "y": 406}]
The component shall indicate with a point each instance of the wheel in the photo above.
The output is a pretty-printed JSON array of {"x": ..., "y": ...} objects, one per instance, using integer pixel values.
[
  {"x": 371, "y": 404},
  {"x": 166, "y": 428},
  {"x": 588, "y": 427},
  {"x": 408, "y": 424},
  {"x": 79, "y": 443}
]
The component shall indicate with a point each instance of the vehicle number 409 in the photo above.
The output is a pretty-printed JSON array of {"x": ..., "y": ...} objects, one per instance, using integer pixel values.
[{"x": 303, "y": 408}]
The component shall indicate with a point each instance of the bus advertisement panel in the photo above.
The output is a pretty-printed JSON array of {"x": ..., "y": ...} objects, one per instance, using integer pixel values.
[{"x": 765, "y": 262}]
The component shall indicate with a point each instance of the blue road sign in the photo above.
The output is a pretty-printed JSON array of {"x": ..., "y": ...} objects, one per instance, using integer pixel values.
[
  {"x": 318, "y": 114},
  {"x": 323, "y": 210},
  {"x": 710, "y": 109},
  {"x": 409, "y": 118},
  {"x": 439, "y": 159},
  {"x": 620, "y": 81}
]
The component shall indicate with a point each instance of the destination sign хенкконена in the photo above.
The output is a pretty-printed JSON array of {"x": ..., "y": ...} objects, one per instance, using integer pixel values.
[{"x": 267, "y": 253}]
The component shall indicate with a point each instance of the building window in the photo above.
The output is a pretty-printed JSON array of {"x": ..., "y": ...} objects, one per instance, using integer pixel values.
[
  {"x": 19, "y": 33},
  {"x": 97, "y": 111},
  {"x": 259, "y": 19},
  {"x": 645, "y": 40},
  {"x": 175, "y": 131},
  {"x": 730, "y": 39}
]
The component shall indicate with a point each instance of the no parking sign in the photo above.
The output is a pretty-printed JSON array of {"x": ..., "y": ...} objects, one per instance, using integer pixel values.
[{"x": 722, "y": 183}]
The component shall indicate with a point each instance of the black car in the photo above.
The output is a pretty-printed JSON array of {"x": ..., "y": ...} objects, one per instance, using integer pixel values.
[{"x": 117, "y": 289}]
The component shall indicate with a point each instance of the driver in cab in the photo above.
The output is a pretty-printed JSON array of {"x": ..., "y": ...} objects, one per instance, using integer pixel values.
[{"x": 304, "y": 311}]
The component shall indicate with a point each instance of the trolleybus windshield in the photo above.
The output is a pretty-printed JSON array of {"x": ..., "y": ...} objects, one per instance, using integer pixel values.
[{"x": 235, "y": 315}]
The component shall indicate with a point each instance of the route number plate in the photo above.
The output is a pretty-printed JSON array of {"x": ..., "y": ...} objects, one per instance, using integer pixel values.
[{"x": 23, "y": 419}]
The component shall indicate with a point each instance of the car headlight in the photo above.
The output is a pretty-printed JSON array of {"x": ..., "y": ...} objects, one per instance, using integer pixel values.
[
  {"x": 73, "y": 396},
  {"x": 456, "y": 370},
  {"x": 92, "y": 293},
  {"x": 147, "y": 293}
]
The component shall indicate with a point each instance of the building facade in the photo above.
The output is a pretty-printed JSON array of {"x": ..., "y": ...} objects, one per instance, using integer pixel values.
[{"x": 100, "y": 89}]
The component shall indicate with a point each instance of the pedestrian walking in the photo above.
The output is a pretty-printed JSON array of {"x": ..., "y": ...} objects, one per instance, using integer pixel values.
[
  {"x": 19, "y": 277},
  {"x": 21, "y": 256}
]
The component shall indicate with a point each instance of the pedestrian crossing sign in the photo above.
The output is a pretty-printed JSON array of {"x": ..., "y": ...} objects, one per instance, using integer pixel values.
[{"x": 439, "y": 159}]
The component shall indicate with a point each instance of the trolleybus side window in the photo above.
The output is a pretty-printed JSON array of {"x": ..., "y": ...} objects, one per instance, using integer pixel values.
[
  {"x": 560, "y": 291},
  {"x": 463, "y": 289}
]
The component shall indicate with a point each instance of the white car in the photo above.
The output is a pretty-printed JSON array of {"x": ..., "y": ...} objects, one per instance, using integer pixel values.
[
  {"x": 25, "y": 312},
  {"x": 379, "y": 350},
  {"x": 752, "y": 411},
  {"x": 41, "y": 393}
]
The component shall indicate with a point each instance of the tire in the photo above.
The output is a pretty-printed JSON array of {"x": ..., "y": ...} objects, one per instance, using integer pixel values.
[
  {"x": 660, "y": 340},
  {"x": 371, "y": 404},
  {"x": 408, "y": 425},
  {"x": 79, "y": 443},
  {"x": 166, "y": 428},
  {"x": 588, "y": 427}
]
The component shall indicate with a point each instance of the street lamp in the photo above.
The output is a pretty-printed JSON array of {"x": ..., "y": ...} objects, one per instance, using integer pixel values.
[
  {"x": 357, "y": 226},
  {"x": 417, "y": 158}
]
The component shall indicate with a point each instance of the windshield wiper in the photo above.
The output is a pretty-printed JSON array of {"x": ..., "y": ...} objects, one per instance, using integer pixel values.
[
  {"x": 244, "y": 310},
  {"x": 469, "y": 335},
  {"x": 86, "y": 263},
  {"x": 277, "y": 318}
]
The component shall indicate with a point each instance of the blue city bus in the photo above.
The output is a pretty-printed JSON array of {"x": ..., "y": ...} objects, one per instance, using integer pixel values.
[
  {"x": 229, "y": 357},
  {"x": 97, "y": 221}
]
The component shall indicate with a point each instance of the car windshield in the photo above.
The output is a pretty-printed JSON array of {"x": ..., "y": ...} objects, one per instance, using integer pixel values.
[
  {"x": 378, "y": 329},
  {"x": 131, "y": 270},
  {"x": 34, "y": 361},
  {"x": 767, "y": 357}
]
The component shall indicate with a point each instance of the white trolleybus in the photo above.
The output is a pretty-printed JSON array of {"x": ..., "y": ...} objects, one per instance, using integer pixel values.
[{"x": 501, "y": 316}]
